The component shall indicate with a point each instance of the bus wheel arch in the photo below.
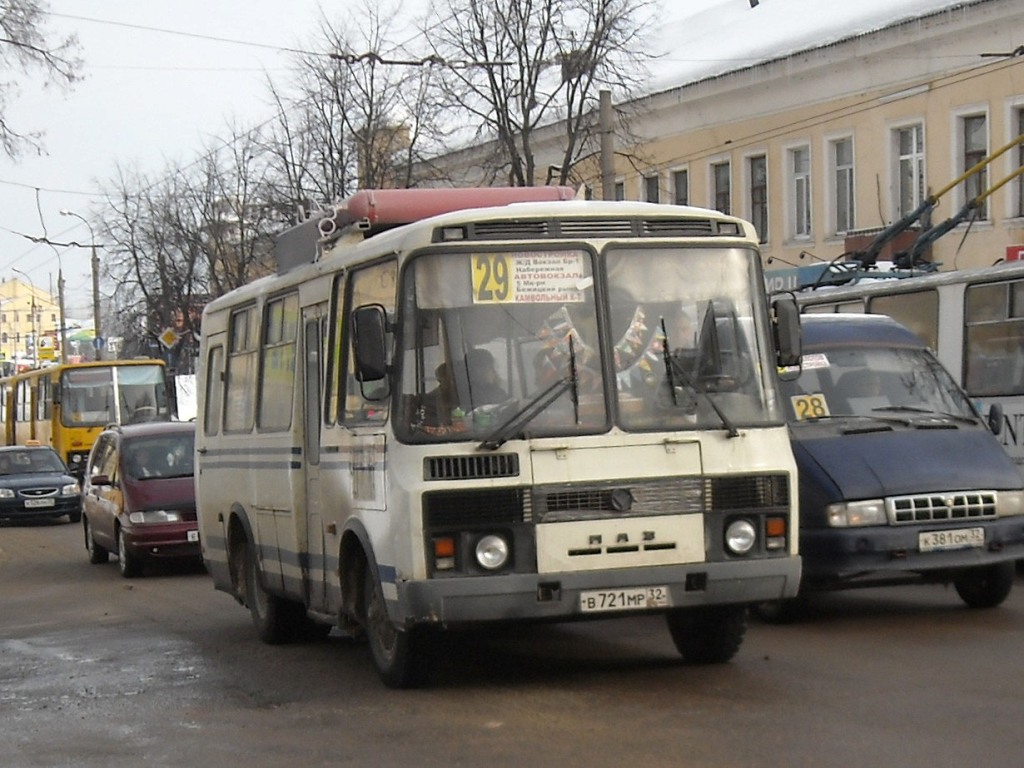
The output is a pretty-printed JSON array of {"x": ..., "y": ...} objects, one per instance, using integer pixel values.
[{"x": 239, "y": 535}]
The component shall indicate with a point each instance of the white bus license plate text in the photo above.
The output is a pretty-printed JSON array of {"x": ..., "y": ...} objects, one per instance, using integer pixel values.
[
  {"x": 637, "y": 598},
  {"x": 958, "y": 538}
]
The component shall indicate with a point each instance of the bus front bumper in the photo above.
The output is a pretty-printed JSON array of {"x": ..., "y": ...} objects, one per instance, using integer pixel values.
[{"x": 590, "y": 594}]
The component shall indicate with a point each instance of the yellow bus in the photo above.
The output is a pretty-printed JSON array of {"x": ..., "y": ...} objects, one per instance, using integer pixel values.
[{"x": 67, "y": 406}]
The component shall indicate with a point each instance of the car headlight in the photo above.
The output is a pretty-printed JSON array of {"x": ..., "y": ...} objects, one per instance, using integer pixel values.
[
  {"x": 852, "y": 514},
  {"x": 1010, "y": 503},
  {"x": 740, "y": 537},
  {"x": 70, "y": 490},
  {"x": 6, "y": 493},
  {"x": 155, "y": 516}
]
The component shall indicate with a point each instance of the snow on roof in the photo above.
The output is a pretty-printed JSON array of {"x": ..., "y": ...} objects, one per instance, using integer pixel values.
[{"x": 728, "y": 35}]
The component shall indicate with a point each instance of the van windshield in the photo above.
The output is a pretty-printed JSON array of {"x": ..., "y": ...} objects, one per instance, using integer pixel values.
[{"x": 871, "y": 382}]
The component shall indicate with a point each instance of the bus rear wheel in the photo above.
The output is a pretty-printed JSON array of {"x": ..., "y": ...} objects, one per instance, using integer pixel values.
[
  {"x": 708, "y": 634},
  {"x": 276, "y": 619},
  {"x": 400, "y": 655}
]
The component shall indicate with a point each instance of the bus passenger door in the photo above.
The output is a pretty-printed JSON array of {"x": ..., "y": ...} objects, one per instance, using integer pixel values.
[{"x": 314, "y": 567}]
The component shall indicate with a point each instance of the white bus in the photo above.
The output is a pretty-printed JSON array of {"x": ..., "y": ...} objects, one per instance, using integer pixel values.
[
  {"x": 476, "y": 417},
  {"x": 972, "y": 318}
]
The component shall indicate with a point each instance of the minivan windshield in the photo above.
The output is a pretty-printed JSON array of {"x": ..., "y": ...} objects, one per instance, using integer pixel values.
[{"x": 873, "y": 382}]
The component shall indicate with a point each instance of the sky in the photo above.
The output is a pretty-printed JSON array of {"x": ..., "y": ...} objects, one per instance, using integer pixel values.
[{"x": 163, "y": 80}]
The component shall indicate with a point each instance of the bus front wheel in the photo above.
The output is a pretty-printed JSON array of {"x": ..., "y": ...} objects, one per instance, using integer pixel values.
[
  {"x": 709, "y": 634},
  {"x": 399, "y": 654}
]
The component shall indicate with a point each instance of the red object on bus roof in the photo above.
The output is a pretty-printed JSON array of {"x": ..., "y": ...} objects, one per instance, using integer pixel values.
[{"x": 384, "y": 207}]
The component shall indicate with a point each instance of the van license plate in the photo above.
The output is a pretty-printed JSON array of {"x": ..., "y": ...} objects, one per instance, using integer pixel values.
[
  {"x": 637, "y": 598},
  {"x": 957, "y": 538},
  {"x": 38, "y": 503},
  {"x": 193, "y": 536}
]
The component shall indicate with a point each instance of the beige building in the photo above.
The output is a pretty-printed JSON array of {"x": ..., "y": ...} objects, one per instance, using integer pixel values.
[
  {"x": 842, "y": 139},
  {"x": 29, "y": 323}
]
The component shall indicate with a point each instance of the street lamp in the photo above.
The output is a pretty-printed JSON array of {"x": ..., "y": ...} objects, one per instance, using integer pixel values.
[
  {"x": 95, "y": 282},
  {"x": 32, "y": 316}
]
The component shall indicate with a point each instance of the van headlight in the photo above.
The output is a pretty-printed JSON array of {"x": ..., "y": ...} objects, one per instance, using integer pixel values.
[
  {"x": 155, "y": 516},
  {"x": 1010, "y": 503},
  {"x": 852, "y": 514}
]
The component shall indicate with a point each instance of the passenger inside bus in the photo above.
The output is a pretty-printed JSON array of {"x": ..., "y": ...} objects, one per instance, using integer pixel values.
[
  {"x": 484, "y": 383},
  {"x": 436, "y": 405}
]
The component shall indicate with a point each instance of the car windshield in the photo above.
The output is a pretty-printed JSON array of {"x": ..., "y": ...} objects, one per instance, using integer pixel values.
[
  {"x": 159, "y": 456},
  {"x": 30, "y": 461},
  {"x": 873, "y": 382}
]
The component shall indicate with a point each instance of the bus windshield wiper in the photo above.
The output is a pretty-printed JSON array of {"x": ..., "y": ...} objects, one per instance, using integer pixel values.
[
  {"x": 536, "y": 405},
  {"x": 674, "y": 369}
]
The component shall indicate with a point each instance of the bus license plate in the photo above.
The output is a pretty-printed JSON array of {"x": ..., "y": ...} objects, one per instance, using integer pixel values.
[
  {"x": 958, "y": 538},
  {"x": 637, "y": 598},
  {"x": 37, "y": 503}
]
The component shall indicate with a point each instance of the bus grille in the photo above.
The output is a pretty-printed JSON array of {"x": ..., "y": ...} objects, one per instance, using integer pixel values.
[
  {"x": 471, "y": 467},
  {"x": 950, "y": 507},
  {"x": 628, "y": 227},
  {"x": 725, "y": 494},
  {"x": 674, "y": 495},
  {"x": 486, "y": 506}
]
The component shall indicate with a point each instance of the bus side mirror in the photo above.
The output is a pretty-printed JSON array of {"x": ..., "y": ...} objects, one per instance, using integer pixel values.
[
  {"x": 995, "y": 418},
  {"x": 369, "y": 326},
  {"x": 786, "y": 331}
]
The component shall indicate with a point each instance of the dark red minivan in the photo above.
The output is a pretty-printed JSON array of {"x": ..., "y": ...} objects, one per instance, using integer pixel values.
[{"x": 138, "y": 495}]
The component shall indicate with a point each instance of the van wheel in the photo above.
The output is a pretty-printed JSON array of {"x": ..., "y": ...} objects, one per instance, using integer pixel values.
[
  {"x": 129, "y": 565},
  {"x": 400, "y": 655},
  {"x": 97, "y": 554},
  {"x": 275, "y": 618},
  {"x": 709, "y": 634},
  {"x": 986, "y": 586}
]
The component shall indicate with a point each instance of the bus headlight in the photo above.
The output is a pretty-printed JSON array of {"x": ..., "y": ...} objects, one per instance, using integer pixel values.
[
  {"x": 1010, "y": 503},
  {"x": 740, "y": 537},
  {"x": 492, "y": 552},
  {"x": 852, "y": 514}
]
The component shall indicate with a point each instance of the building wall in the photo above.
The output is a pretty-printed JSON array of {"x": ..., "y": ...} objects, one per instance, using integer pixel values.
[{"x": 18, "y": 329}]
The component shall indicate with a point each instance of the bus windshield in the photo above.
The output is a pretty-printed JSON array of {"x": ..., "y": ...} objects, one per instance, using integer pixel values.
[
  {"x": 101, "y": 395},
  {"x": 522, "y": 335}
]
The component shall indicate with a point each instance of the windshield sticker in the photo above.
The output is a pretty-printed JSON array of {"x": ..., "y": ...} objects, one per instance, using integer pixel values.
[
  {"x": 529, "y": 278},
  {"x": 810, "y": 362},
  {"x": 812, "y": 406}
]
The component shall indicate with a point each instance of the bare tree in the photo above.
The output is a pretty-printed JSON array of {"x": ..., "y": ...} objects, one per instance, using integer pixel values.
[
  {"x": 24, "y": 48},
  {"x": 527, "y": 64}
]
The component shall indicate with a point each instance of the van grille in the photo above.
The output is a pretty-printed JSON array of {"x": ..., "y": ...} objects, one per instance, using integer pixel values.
[{"x": 948, "y": 507}]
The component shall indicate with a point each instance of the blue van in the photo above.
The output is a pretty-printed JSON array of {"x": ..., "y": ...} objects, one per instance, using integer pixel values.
[{"x": 900, "y": 479}]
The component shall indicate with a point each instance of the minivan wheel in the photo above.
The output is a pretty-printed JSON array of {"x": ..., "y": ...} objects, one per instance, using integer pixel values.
[
  {"x": 129, "y": 565},
  {"x": 985, "y": 586},
  {"x": 97, "y": 554}
]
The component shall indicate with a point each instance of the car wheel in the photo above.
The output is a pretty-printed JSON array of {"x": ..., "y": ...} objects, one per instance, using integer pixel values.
[
  {"x": 401, "y": 655},
  {"x": 708, "y": 634},
  {"x": 128, "y": 564},
  {"x": 277, "y": 620},
  {"x": 97, "y": 554},
  {"x": 986, "y": 586},
  {"x": 75, "y": 517}
]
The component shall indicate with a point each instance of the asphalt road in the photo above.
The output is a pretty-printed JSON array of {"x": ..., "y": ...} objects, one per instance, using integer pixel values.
[{"x": 96, "y": 670}]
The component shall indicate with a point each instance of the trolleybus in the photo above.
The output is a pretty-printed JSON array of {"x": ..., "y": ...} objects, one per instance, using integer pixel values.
[
  {"x": 67, "y": 406},
  {"x": 541, "y": 410}
]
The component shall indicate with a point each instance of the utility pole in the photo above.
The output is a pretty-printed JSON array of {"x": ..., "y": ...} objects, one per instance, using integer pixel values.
[{"x": 98, "y": 340}]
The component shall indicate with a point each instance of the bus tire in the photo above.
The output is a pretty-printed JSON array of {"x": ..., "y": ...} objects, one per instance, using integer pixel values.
[
  {"x": 276, "y": 619},
  {"x": 399, "y": 654},
  {"x": 97, "y": 554},
  {"x": 128, "y": 564},
  {"x": 985, "y": 586},
  {"x": 709, "y": 634}
]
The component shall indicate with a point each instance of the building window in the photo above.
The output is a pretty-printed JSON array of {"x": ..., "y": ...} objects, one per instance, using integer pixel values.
[
  {"x": 975, "y": 148},
  {"x": 720, "y": 189},
  {"x": 758, "y": 168},
  {"x": 800, "y": 188},
  {"x": 620, "y": 190},
  {"x": 910, "y": 170},
  {"x": 652, "y": 189},
  {"x": 681, "y": 187},
  {"x": 1019, "y": 123},
  {"x": 842, "y": 180}
]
